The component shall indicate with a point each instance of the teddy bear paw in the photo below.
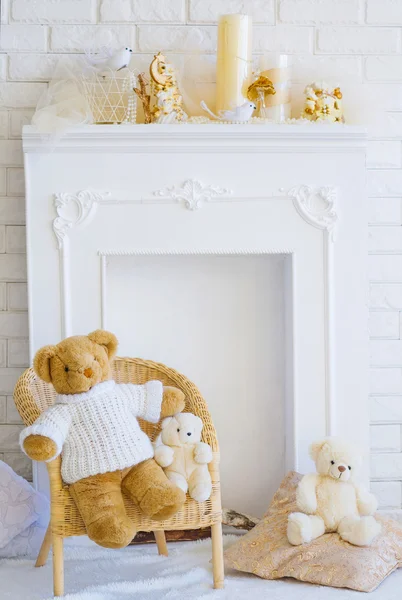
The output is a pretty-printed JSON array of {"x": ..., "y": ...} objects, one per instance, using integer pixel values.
[
  {"x": 173, "y": 401},
  {"x": 201, "y": 492},
  {"x": 203, "y": 453},
  {"x": 299, "y": 529},
  {"x": 367, "y": 505},
  {"x": 111, "y": 531},
  {"x": 161, "y": 502},
  {"x": 40, "y": 447},
  {"x": 164, "y": 455},
  {"x": 359, "y": 531}
]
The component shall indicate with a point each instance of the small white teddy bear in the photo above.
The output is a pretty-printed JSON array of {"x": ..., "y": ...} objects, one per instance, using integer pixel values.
[
  {"x": 331, "y": 500},
  {"x": 182, "y": 455}
]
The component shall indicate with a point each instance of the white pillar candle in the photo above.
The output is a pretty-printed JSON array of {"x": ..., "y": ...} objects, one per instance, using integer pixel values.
[
  {"x": 234, "y": 55},
  {"x": 277, "y": 67}
]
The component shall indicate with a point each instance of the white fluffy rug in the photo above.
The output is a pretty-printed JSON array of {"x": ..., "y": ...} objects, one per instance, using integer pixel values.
[{"x": 139, "y": 573}]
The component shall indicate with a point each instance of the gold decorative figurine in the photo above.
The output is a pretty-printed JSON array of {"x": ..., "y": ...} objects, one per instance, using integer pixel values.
[
  {"x": 145, "y": 98},
  {"x": 322, "y": 103},
  {"x": 258, "y": 91},
  {"x": 168, "y": 100}
]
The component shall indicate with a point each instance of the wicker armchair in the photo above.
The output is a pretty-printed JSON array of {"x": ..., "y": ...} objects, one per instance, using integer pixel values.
[{"x": 32, "y": 396}]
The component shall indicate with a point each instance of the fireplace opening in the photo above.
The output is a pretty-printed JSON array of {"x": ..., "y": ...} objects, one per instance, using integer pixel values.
[{"x": 220, "y": 320}]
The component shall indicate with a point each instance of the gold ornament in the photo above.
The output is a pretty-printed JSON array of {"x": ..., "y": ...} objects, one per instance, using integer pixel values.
[
  {"x": 145, "y": 98},
  {"x": 261, "y": 84},
  {"x": 157, "y": 70},
  {"x": 168, "y": 100},
  {"x": 322, "y": 103},
  {"x": 259, "y": 89}
]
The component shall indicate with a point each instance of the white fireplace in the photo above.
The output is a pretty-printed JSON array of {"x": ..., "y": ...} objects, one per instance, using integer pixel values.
[{"x": 235, "y": 254}]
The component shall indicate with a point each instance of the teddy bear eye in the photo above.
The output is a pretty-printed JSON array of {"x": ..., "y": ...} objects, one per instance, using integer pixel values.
[
  {"x": 332, "y": 462},
  {"x": 350, "y": 468},
  {"x": 178, "y": 430},
  {"x": 66, "y": 369}
]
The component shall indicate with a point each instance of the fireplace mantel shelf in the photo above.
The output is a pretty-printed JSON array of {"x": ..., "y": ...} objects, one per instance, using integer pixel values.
[{"x": 310, "y": 137}]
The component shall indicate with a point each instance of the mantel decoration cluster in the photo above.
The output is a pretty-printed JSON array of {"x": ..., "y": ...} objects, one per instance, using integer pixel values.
[
  {"x": 104, "y": 88},
  {"x": 242, "y": 95}
]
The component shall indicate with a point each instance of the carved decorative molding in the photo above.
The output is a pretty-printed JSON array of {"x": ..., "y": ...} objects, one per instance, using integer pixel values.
[
  {"x": 193, "y": 193},
  {"x": 316, "y": 205},
  {"x": 73, "y": 209}
]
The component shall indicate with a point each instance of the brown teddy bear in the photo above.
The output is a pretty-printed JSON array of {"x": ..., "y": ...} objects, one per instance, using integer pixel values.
[{"x": 94, "y": 422}]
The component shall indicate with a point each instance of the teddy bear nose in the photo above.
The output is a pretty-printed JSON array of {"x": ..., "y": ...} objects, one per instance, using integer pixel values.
[
  {"x": 341, "y": 469},
  {"x": 188, "y": 433},
  {"x": 88, "y": 372}
]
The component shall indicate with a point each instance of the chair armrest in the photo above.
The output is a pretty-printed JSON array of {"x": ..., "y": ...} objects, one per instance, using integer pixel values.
[
  {"x": 213, "y": 468},
  {"x": 54, "y": 472}
]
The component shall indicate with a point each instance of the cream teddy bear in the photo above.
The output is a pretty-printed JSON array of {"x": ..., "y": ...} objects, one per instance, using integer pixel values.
[
  {"x": 184, "y": 458},
  {"x": 331, "y": 500}
]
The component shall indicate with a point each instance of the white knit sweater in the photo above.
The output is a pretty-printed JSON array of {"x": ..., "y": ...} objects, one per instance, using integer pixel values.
[{"x": 98, "y": 430}]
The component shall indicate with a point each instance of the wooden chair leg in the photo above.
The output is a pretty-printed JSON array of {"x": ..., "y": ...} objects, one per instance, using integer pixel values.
[
  {"x": 45, "y": 548},
  {"x": 217, "y": 555},
  {"x": 58, "y": 565},
  {"x": 161, "y": 542}
]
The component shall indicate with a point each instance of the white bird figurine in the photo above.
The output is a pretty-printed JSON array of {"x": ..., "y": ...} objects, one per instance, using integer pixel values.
[
  {"x": 113, "y": 61},
  {"x": 240, "y": 113}
]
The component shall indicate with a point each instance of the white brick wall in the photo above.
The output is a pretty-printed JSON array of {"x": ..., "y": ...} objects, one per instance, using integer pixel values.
[
  {"x": 20, "y": 38},
  {"x": 383, "y": 68},
  {"x": 358, "y": 40},
  {"x": 352, "y": 42},
  {"x": 75, "y": 38},
  {"x": 207, "y": 11},
  {"x": 384, "y": 12},
  {"x": 53, "y": 11},
  {"x": 339, "y": 12}
]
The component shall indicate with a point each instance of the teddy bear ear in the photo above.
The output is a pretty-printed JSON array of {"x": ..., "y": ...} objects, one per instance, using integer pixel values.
[
  {"x": 199, "y": 422},
  {"x": 106, "y": 339},
  {"x": 41, "y": 363},
  {"x": 166, "y": 422},
  {"x": 316, "y": 448}
]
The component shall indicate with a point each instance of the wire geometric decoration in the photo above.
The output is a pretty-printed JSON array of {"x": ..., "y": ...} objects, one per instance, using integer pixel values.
[{"x": 111, "y": 96}]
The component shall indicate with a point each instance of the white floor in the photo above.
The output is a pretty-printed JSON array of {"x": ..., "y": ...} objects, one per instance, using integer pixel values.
[{"x": 139, "y": 573}]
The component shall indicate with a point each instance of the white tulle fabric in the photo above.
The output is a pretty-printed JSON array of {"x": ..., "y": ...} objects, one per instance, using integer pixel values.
[{"x": 63, "y": 104}]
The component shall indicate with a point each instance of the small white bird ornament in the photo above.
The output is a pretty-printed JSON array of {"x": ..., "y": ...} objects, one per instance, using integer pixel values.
[
  {"x": 240, "y": 113},
  {"x": 113, "y": 61}
]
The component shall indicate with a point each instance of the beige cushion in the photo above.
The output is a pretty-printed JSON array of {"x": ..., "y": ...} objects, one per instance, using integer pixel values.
[{"x": 266, "y": 552}]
